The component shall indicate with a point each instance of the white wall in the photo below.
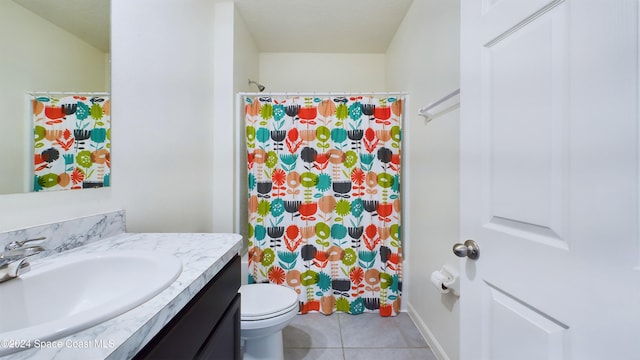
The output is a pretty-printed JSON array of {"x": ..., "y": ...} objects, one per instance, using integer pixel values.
[
  {"x": 223, "y": 184},
  {"x": 322, "y": 72},
  {"x": 246, "y": 66},
  {"x": 423, "y": 59},
  {"x": 246, "y": 56},
  {"x": 36, "y": 55},
  {"x": 236, "y": 60},
  {"x": 162, "y": 86}
]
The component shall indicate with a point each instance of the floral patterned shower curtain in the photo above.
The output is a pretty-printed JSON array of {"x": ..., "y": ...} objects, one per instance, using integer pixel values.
[
  {"x": 324, "y": 199},
  {"x": 72, "y": 141}
]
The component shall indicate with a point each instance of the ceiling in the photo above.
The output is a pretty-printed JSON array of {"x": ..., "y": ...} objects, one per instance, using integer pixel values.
[
  {"x": 86, "y": 19},
  {"x": 328, "y": 26}
]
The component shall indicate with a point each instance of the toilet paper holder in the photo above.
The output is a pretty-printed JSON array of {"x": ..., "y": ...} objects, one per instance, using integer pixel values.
[{"x": 447, "y": 280}]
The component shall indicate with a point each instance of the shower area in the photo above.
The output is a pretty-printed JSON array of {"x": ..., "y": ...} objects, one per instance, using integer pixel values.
[
  {"x": 319, "y": 168},
  {"x": 323, "y": 197},
  {"x": 367, "y": 46}
]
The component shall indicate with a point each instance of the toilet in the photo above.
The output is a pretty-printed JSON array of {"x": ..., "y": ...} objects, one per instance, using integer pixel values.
[{"x": 265, "y": 309}]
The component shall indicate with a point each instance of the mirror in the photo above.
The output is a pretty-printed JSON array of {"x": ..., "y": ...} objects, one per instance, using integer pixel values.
[{"x": 47, "y": 46}]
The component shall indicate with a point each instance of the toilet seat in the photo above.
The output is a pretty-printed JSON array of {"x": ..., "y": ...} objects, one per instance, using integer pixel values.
[{"x": 266, "y": 301}]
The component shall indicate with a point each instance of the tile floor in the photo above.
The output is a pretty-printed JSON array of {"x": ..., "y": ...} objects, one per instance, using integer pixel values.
[{"x": 352, "y": 337}]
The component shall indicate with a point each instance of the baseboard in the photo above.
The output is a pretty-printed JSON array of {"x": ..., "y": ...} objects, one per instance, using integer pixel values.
[{"x": 428, "y": 336}]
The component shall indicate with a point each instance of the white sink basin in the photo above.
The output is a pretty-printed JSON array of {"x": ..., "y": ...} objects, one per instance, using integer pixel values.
[{"x": 67, "y": 294}]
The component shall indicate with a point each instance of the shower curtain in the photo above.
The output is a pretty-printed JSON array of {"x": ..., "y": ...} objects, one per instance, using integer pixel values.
[
  {"x": 72, "y": 140},
  {"x": 324, "y": 199}
]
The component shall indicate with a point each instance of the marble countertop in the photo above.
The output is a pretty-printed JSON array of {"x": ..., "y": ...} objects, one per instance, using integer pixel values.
[{"x": 202, "y": 256}]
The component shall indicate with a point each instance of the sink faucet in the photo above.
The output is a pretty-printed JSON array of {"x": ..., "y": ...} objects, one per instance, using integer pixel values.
[{"x": 13, "y": 261}]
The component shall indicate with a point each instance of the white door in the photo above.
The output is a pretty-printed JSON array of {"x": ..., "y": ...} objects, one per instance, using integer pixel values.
[{"x": 549, "y": 179}]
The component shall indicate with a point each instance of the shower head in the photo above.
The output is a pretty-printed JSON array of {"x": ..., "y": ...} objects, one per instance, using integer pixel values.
[{"x": 260, "y": 86}]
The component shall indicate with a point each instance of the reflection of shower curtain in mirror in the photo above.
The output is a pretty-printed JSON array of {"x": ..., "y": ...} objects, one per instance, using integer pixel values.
[
  {"x": 72, "y": 144},
  {"x": 324, "y": 199}
]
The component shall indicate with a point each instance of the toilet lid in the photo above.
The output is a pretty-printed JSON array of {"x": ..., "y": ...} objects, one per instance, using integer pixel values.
[{"x": 259, "y": 301}]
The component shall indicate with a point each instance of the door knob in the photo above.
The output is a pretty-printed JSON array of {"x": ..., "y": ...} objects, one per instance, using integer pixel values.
[{"x": 469, "y": 249}]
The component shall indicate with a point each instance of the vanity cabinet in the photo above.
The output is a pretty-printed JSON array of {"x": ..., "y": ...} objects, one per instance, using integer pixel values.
[{"x": 208, "y": 327}]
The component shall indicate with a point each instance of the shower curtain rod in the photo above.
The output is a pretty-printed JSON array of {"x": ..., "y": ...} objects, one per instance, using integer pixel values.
[
  {"x": 319, "y": 93},
  {"x": 68, "y": 93}
]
